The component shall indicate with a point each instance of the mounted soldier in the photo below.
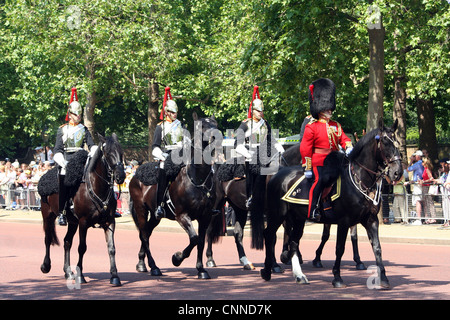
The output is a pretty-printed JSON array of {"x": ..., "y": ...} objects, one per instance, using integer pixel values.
[
  {"x": 71, "y": 137},
  {"x": 250, "y": 137},
  {"x": 168, "y": 136},
  {"x": 321, "y": 136}
]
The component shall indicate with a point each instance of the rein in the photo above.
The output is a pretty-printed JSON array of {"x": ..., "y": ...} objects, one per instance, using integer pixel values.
[
  {"x": 377, "y": 184},
  {"x": 202, "y": 186},
  {"x": 102, "y": 205}
]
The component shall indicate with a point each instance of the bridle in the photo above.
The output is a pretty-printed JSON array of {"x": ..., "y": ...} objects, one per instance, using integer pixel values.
[
  {"x": 101, "y": 204},
  {"x": 382, "y": 169}
]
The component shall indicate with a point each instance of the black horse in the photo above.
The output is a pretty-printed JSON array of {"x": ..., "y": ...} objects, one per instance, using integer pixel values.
[
  {"x": 234, "y": 191},
  {"x": 93, "y": 204},
  {"x": 192, "y": 195},
  {"x": 374, "y": 157}
]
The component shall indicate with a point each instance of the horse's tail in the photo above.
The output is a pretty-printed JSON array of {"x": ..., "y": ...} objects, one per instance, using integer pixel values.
[
  {"x": 216, "y": 226},
  {"x": 257, "y": 212}
]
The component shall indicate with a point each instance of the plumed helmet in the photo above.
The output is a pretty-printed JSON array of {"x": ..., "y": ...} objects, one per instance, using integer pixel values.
[
  {"x": 74, "y": 105},
  {"x": 258, "y": 105},
  {"x": 171, "y": 106},
  {"x": 322, "y": 93},
  {"x": 75, "y": 108}
]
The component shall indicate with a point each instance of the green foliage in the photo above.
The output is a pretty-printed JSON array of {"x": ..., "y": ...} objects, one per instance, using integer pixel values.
[{"x": 211, "y": 53}]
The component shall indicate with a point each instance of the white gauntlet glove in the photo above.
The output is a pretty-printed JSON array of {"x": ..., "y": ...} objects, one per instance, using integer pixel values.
[
  {"x": 59, "y": 159},
  {"x": 159, "y": 154},
  {"x": 242, "y": 150}
]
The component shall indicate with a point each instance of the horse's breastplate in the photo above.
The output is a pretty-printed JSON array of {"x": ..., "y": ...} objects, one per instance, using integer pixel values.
[
  {"x": 73, "y": 137},
  {"x": 256, "y": 133},
  {"x": 172, "y": 133}
]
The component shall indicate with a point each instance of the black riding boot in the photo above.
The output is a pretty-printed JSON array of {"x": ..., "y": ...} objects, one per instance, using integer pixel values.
[
  {"x": 62, "y": 194},
  {"x": 249, "y": 183},
  {"x": 161, "y": 190}
]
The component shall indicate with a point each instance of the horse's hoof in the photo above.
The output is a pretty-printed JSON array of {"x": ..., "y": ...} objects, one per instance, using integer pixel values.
[
  {"x": 284, "y": 257},
  {"x": 301, "y": 280},
  {"x": 140, "y": 267},
  {"x": 249, "y": 266},
  {"x": 360, "y": 266},
  {"x": 277, "y": 269},
  {"x": 211, "y": 264},
  {"x": 339, "y": 284},
  {"x": 82, "y": 279},
  {"x": 45, "y": 268},
  {"x": 115, "y": 281},
  {"x": 317, "y": 264},
  {"x": 177, "y": 259},
  {"x": 155, "y": 272},
  {"x": 266, "y": 275},
  {"x": 203, "y": 275},
  {"x": 384, "y": 285}
]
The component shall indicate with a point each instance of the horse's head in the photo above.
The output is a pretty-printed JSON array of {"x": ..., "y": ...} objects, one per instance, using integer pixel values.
[
  {"x": 113, "y": 155},
  {"x": 210, "y": 135},
  {"x": 388, "y": 155}
]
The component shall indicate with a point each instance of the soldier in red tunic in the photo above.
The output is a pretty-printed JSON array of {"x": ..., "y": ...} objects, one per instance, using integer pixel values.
[{"x": 322, "y": 135}]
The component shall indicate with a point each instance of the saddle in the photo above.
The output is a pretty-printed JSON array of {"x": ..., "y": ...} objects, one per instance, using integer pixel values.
[
  {"x": 147, "y": 173},
  {"x": 48, "y": 183},
  {"x": 299, "y": 192}
]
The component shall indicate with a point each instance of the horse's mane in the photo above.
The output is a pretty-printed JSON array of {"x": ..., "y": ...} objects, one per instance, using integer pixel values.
[
  {"x": 361, "y": 144},
  {"x": 292, "y": 153}
]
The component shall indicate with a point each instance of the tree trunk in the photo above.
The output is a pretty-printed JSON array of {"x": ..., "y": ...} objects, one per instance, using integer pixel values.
[
  {"x": 91, "y": 101},
  {"x": 427, "y": 128},
  {"x": 399, "y": 113},
  {"x": 376, "y": 73},
  {"x": 152, "y": 113}
]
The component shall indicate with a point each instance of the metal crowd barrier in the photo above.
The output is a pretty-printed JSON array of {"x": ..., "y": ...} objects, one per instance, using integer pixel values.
[
  {"x": 395, "y": 207},
  {"x": 404, "y": 207}
]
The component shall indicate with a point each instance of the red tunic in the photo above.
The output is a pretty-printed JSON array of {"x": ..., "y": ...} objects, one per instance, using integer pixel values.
[{"x": 320, "y": 138}]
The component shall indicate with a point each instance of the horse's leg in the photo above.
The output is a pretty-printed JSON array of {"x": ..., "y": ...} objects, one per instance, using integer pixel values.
[
  {"x": 71, "y": 230},
  {"x": 109, "y": 236},
  {"x": 325, "y": 236},
  {"x": 186, "y": 223},
  {"x": 296, "y": 234},
  {"x": 82, "y": 247},
  {"x": 140, "y": 215},
  {"x": 270, "y": 235},
  {"x": 340, "y": 248},
  {"x": 241, "y": 220},
  {"x": 284, "y": 257},
  {"x": 354, "y": 236},
  {"x": 372, "y": 232},
  {"x": 202, "y": 227},
  {"x": 50, "y": 235}
]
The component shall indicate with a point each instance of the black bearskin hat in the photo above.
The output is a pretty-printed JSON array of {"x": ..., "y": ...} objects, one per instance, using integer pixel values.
[{"x": 322, "y": 94}]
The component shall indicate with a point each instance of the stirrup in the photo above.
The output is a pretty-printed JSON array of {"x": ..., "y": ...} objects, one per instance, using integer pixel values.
[
  {"x": 160, "y": 213},
  {"x": 248, "y": 202},
  {"x": 62, "y": 220}
]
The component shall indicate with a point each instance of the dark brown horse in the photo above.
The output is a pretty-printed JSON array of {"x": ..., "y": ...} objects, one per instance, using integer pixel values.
[
  {"x": 192, "y": 195},
  {"x": 93, "y": 204},
  {"x": 373, "y": 157}
]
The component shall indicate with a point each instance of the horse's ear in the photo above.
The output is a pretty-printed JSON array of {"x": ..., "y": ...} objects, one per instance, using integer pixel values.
[
  {"x": 101, "y": 138},
  {"x": 395, "y": 126},
  {"x": 194, "y": 116},
  {"x": 114, "y": 136},
  {"x": 213, "y": 117}
]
